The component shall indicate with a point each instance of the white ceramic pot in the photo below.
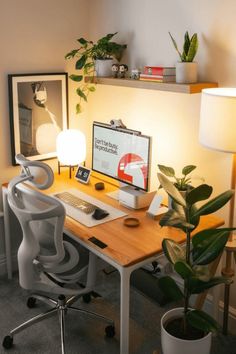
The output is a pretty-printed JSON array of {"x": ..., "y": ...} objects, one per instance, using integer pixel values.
[
  {"x": 186, "y": 72},
  {"x": 173, "y": 345},
  {"x": 103, "y": 67}
]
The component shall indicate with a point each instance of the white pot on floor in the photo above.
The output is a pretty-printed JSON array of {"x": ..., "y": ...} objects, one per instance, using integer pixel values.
[{"x": 174, "y": 345}]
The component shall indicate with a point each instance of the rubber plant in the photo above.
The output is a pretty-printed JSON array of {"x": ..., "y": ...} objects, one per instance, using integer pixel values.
[
  {"x": 86, "y": 56},
  {"x": 191, "y": 262},
  {"x": 190, "y": 47}
]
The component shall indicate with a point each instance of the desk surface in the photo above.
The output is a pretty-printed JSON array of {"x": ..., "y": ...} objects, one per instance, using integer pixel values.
[{"x": 125, "y": 245}]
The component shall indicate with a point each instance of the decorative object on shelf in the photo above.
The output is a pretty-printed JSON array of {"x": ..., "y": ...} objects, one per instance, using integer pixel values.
[
  {"x": 123, "y": 68},
  {"x": 159, "y": 70},
  {"x": 217, "y": 121},
  {"x": 186, "y": 69},
  {"x": 135, "y": 74},
  {"x": 115, "y": 70},
  {"x": 38, "y": 109},
  {"x": 104, "y": 51},
  {"x": 191, "y": 263},
  {"x": 157, "y": 78},
  {"x": 71, "y": 149}
]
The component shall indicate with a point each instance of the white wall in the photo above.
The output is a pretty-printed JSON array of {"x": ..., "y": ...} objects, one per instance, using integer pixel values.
[{"x": 171, "y": 119}]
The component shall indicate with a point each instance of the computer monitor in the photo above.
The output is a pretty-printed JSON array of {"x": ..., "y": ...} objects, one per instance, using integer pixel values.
[{"x": 122, "y": 154}]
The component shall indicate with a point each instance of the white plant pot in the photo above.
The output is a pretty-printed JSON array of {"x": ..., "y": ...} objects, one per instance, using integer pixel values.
[
  {"x": 186, "y": 72},
  {"x": 173, "y": 345},
  {"x": 103, "y": 67}
]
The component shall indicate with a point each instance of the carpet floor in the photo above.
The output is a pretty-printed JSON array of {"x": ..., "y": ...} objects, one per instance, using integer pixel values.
[{"x": 85, "y": 335}]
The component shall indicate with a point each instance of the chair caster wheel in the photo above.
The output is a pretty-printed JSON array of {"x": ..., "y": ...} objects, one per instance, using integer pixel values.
[
  {"x": 31, "y": 302},
  {"x": 7, "y": 342},
  {"x": 87, "y": 298},
  {"x": 110, "y": 331}
]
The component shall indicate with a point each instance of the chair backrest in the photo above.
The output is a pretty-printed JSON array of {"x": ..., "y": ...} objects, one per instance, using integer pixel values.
[{"x": 41, "y": 217}]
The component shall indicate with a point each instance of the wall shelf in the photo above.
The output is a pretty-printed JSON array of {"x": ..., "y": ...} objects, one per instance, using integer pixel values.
[{"x": 172, "y": 87}]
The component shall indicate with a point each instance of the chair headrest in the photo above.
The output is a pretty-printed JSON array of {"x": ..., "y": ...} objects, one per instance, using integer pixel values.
[{"x": 39, "y": 173}]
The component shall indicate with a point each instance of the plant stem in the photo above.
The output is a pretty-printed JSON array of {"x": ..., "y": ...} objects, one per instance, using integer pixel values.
[{"x": 186, "y": 292}]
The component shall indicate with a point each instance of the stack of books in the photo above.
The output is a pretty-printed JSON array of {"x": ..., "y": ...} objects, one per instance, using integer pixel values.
[{"x": 158, "y": 74}]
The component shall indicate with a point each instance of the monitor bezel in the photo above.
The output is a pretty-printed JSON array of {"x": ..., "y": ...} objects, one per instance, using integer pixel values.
[{"x": 130, "y": 132}]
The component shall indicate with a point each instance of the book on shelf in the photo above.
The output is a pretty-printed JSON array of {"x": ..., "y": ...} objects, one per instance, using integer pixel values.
[
  {"x": 157, "y": 78},
  {"x": 159, "y": 70}
]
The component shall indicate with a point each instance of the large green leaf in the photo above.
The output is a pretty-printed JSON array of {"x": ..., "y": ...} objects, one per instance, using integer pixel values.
[
  {"x": 201, "y": 320},
  {"x": 171, "y": 189},
  {"x": 174, "y": 219},
  {"x": 173, "y": 250},
  {"x": 199, "y": 193},
  {"x": 186, "y": 43},
  {"x": 192, "y": 48},
  {"x": 208, "y": 244},
  {"x": 215, "y": 204},
  {"x": 76, "y": 78},
  {"x": 80, "y": 63},
  {"x": 183, "y": 269},
  {"x": 170, "y": 288},
  {"x": 202, "y": 272},
  {"x": 82, "y": 41},
  {"x": 188, "y": 169},
  {"x": 197, "y": 286},
  {"x": 167, "y": 171}
]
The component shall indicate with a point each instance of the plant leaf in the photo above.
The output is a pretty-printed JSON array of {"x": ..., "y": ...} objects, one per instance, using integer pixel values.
[
  {"x": 175, "y": 45},
  {"x": 78, "y": 108},
  {"x": 197, "y": 286},
  {"x": 76, "y": 78},
  {"x": 199, "y": 193},
  {"x": 173, "y": 251},
  {"x": 183, "y": 269},
  {"x": 192, "y": 48},
  {"x": 208, "y": 244},
  {"x": 174, "y": 219},
  {"x": 186, "y": 43},
  {"x": 170, "y": 288},
  {"x": 91, "y": 88},
  {"x": 171, "y": 189},
  {"x": 82, "y": 41},
  {"x": 215, "y": 204},
  {"x": 201, "y": 320},
  {"x": 167, "y": 171},
  {"x": 80, "y": 63},
  {"x": 71, "y": 54},
  {"x": 81, "y": 94},
  {"x": 188, "y": 169}
]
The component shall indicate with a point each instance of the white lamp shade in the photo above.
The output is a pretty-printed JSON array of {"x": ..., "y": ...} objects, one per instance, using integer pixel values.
[
  {"x": 218, "y": 119},
  {"x": 71, "y": 147}
]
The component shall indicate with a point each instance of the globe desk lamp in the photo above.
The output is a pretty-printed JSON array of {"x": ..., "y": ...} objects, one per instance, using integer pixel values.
[
  {"x": 71, "y": 149},
  {"x": 218, "y": 132}
]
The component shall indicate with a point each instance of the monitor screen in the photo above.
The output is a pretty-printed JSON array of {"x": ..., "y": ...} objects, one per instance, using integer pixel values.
[{"x": 121, "y": 154}]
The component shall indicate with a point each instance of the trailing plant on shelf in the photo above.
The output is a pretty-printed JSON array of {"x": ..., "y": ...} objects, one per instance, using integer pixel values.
[
  {"x": 86, "y": 55},
  {"x": 190, "y": 47},
  {"x": 182, "y": 183},
  {"x": 191, "y": 262}
]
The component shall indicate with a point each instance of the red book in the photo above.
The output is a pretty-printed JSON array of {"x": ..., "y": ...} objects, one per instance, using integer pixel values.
[
  {"x": 159, "y": 70},
  {"x": 157, "y": 78}
]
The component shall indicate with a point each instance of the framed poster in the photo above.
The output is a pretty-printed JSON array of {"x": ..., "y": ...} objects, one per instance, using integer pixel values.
[{"x": 38, "y": 112}]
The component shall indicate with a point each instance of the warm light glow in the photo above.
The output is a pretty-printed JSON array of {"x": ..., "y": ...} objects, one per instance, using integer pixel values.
[
  {"x": 71, "y": 147},
  {"x": 218, "y": 119}
]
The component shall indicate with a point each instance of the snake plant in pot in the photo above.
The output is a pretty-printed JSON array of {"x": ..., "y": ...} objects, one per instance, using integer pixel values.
[
  {"x": 190, "y": 328},
  {"x": 90, "y": 60},
  {"x": 186, "y": 68}
]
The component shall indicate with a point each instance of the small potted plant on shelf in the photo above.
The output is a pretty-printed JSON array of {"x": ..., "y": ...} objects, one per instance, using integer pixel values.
[
  {"x": 185, "y": 330},
  {"x": 186, "y": 68},
  {"x": 94, "y": 58}
]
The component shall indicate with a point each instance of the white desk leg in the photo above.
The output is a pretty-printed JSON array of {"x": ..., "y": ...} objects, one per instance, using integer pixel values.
[
  {"x": 124, "y": 309},
  {"x": 6, "y": 211}
]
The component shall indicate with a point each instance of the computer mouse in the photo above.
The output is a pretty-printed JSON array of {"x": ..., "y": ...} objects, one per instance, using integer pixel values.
[{"x": 99, "y": 214}]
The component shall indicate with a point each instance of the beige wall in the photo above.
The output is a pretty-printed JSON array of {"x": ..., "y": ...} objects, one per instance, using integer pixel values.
[{"x": 171, "y": 119}]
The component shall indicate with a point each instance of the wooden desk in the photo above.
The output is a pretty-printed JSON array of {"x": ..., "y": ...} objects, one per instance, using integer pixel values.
[{"x": 127, "y": 248}]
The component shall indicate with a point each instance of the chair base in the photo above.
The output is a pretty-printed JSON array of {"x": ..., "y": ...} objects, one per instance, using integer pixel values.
[{"x": 60, "y": 307}]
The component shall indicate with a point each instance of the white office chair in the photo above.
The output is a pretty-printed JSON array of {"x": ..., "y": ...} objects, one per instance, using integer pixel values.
[{"x": 47, "y": 263}]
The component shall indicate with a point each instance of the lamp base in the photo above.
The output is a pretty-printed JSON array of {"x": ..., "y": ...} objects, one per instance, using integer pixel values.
[{"x": 71, "y": 168}]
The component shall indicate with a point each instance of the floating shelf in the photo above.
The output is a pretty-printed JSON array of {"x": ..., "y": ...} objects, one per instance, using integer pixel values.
[{"x": 172, "y": 87}]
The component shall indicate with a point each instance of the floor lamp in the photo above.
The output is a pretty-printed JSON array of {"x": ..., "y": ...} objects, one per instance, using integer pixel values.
[{"x": 218, "y": 132}]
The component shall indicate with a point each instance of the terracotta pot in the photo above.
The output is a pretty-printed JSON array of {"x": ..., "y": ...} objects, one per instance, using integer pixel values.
[
  {"x": 186, "y": 72},
  {"x": 174, "y": 345}
]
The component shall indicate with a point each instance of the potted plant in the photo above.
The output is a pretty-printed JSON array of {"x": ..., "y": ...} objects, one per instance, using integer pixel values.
[
  {"x": 185, "y": 330},
  {"x": 181, "y": 183},
  {"x": 91, "y": 58},
  {"x": 186, "y": 68}
]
